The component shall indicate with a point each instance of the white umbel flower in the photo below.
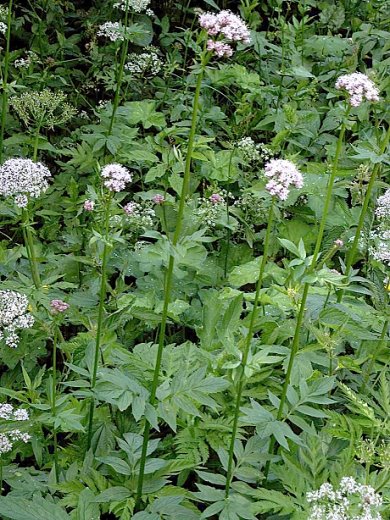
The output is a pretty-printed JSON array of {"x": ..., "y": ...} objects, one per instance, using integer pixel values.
[
  {"x": 138, "y": 6},
  {"x": 7, "y": 438},
  {"x": 116, "y": 176},
  {"x": 13, "y": 316},
  {"x": 23, "y": 178}
]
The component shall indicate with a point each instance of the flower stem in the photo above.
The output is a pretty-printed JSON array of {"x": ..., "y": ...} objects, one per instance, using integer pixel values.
[
  {"x": 125, "y": 47},
  {"x": 102, "y": 297},
  {"x": 248, "y": 340},
  {"x": 5, "y": 79},
  {"x": 29, "y": 244},
  {"x": 301, "y": 312},
  {"x": 169, "y": 278},
  {"x": 352, "y": 252},
  {"x": 54, "y": 399}
]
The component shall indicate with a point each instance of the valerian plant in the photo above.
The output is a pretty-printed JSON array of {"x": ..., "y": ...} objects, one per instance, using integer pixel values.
[{"x": 194, "y": 260}]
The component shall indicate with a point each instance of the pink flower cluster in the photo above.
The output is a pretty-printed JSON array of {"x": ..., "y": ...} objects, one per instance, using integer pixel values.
[
  {"x": 159, "y": 199},
  {"x": 89, "y": 205},
  {"x": 216, "y": 198},
  {"x": 358, "y": 86},
  {"x": 222, "y": 50},
  {"x": 227, "y": 25},
  {"x": 58, "y": 306},
  {"x": 282, "y": 175},
  {"x": 117, "y": 176}
]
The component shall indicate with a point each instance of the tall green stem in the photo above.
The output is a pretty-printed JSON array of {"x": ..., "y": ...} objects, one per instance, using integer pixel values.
[
  {"x": 301, "y": 313},
  {"x": 248, "y": 339},
  {"x": 54, "y": 399},
  {"x": 29, "y": 244},
  {"x": 125, "y": 47},
  {"x": 102, "y": 297},
  {"x": 352, "y": 252},
  {"x": 5, "y": 79},
  {"x": 169, "y": 277}
]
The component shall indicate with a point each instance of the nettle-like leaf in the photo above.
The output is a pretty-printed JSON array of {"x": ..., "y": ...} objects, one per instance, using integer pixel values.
[
  {"x": 233, "y": 507},
  {"x": 16, "y": 508},
  {"x": 167, "y": 508},
  {"x": 186, "y": 392},
  {"x": 267, "y": 425}
]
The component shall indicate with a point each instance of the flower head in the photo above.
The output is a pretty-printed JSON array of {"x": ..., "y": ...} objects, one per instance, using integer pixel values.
[
  {"x": 382, "y": 211},
  {"x": 58, "y": 306},
  {"x": 224, "y": 26},
  {"x": 89, "y": 205},
  {"x": 147, "y": 62},
  {"x": 13, "y": 316},
  {"x": 23, "y": 178},
  {"x": 7, "y": 438},
  {"x": 159, "y": 199},
  {"x": 358, "y": 86},
  {"x": 282, "y": 175},
  {"x": 138, "y": 6},
  {"x": 116, "y": 176},
  {"x": 114, "y": 31}
]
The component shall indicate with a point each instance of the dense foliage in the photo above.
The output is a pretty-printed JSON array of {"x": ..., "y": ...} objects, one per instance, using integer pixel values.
[{"x": 194, "y": 260}]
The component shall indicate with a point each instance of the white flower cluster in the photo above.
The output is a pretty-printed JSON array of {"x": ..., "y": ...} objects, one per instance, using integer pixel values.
[
  {"x": 138, "y": 6},
  {"x": 116, "y": 176},
  {"x": 114, "y": 31},
  {"x": 352, "y": 501},
  {"x": 9, "y": 413},
  {"x": 210, "y": 208},
  {"x": 282, "y": 175},
  {"x": 13, "y": 316},
  {"x": 227, "y": 26},
  {"x": 23, "y": 178},
  {"x": 147, "y": 62},
  {"x": 382, "y": 211},
  {"x": 358, "y": 86},
  {"x": 24, "y": 63},
  {"x": 254, "y": 152},
  {"x": 139, "y": 216},
  {"x": 3, "y": 28}
]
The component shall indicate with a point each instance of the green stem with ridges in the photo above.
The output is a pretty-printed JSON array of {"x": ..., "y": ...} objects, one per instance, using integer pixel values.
[
  {"x": 5, "y": 79},
  {"x": 169, "y": 278},
  {"x": 54, "y": 400},
  {"x": 102, "y": 297},
  {"x": 125, "y": 47},
  {"x": 248, "y": 339},
  {"x": 29, "y": 244},
  {"x": 306, "y": 287},
  {"x": 352, "y": 253}
]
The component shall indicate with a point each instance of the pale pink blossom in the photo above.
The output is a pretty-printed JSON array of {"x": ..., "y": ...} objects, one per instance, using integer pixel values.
[
  {"x": 116, "y": 177},
  {"x": 58, "y": 306},
  {"x": 282, "y": 175},
  {"x": 216, "y": 198},
  {"x": 89, "y": 205},
  {"x": 222, "y": 50},
  {"x": 359, "y": 87},
  {"x": 159, "y": 199}
]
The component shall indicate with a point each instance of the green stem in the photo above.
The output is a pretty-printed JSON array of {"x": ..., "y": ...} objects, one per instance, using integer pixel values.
[
  {"x": 352, "y": 253},
  {"x": 382, "y": 342},
  {"x": 29, "y": 244},
  {"x": 241, "y": 377},
  {"x": 301, "y": 313},
  {"x": 36, "y": 141},
  {"x": 1, "y": 478},
  {"x": 5, "y": 79},
  {"x": 169, "y": 278},
  {"x": 228, "y": 234},
  {"x": 125, "y": 47},
  {"x": 102, "y": 297},
  {"x": 54, "y": 399}
]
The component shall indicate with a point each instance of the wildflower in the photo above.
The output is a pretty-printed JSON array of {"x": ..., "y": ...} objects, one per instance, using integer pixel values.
[
  {"x": 380, "y": 246},
  {"x": 253, "y": 152},
  {"x": 145, "y": 62},
  {"x": 216, "y": 198},
  {"x": 44, "y": 109},
  {"x": 338, "y": 243},
  {"x": 58, "y": 306},
  {"x": 23, "y": 178},
  {"x": 89, "y": 205},
  {"x": 282, "y": 175},
  {"x": 226, "y": 26},
  {"x": 138, "y": 6},
  {"x": 114, "y": 31},
  {"x": 351, "y": 501},
  {"x": 7, "y": 438},
  {"x": 13, "y": 316},
  {"x": 159, "y": 199},
  {"x": 139, "y": 216},
  {"x": 3, "y": 28},
  {"x": 117, "y": 176},
  {"x": 24, "y": 63},
  {"x": 209, "y": 209},
  {"x": 222, "y": 50},
  {"x": 383, "y": 206},
  {"x": 358, "y": 86}
]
